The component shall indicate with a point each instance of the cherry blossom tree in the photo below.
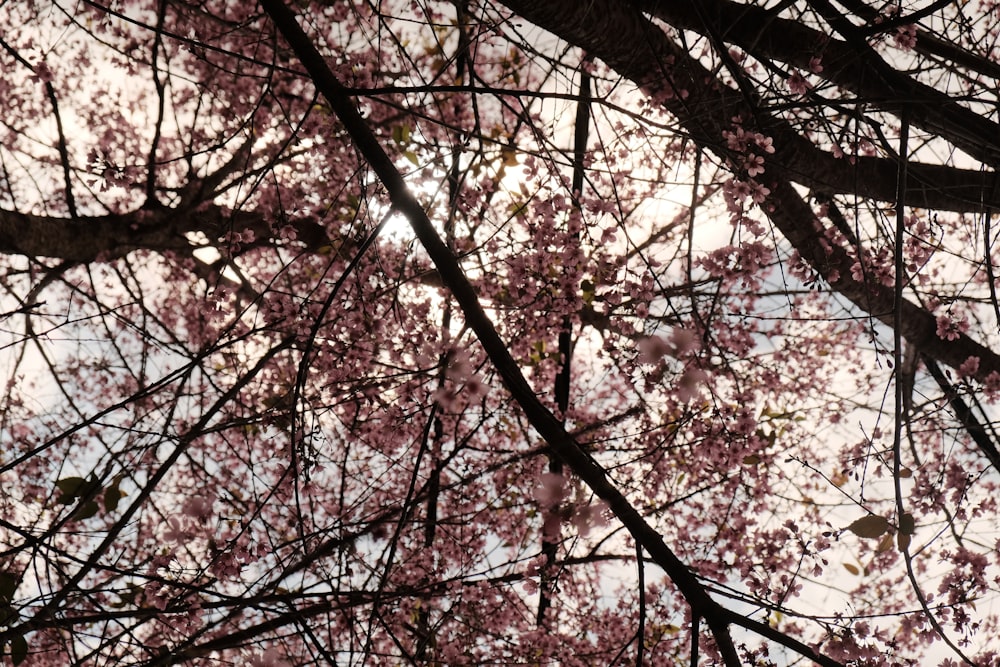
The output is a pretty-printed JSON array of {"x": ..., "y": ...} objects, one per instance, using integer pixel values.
[{"x": 500, "y": 332}]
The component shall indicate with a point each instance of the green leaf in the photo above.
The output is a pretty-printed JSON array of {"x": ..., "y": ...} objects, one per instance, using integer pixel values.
[
  {"x": 8, "y": 615},
  {"x": 18, "y": 649},
  {"x": 87, "y": 510},
  {"x": 75, "y": 487},
  {"x": 71, "y": 488},
  {"x": 71, "y": 485},
  {"x": 112, "y": 495},
  {"x": 8, "y": 584},
  {"x": 127, "y": 597},
  {"x": 907, "y": 525},
  {"x": 412, "y": 157},
  {"x": 869, "y": 526},
  {"x": 401, "y": 134}
]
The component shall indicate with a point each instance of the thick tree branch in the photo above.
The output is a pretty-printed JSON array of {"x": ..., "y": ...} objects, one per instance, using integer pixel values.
[
  {"x": 927, "y": 43},
  {"x": 541, "y": 418},
  {"x": 642, "y": 52},
  {"x": 87, "y": 238},
  {"x": 101, "y": 238},
  {"x": 851, "y": 64},
  {"x": 963, "y": 411}
]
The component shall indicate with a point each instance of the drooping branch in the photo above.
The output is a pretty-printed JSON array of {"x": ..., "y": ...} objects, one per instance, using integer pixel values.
[
  {"x": 541, "y": 418},
  {"x": 92, "y": 561},
  {"x": 565, "y": 340},
  {"x": 986, "y": 441},
  {"x": 63, "y": 148}
]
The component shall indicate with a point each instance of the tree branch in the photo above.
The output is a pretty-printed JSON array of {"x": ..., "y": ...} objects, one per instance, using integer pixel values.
[
  {"x": 642, "y": 52},
  {"x": 540, "y": 417},
  {"x": 851, "y": 64},
  {"x": 101, "y": 238}
]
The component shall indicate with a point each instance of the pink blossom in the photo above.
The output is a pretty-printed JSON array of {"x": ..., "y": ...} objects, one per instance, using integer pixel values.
[
  {"x": 459, "y": 366},
  {"x": 225, "y": 565},
  {"x": 551, "y": 525},
  {"x": 949, "y": 328},
  {"x": 652, "y": 349},
  {"x": 992, "y": 384},
  {"x": 798, "y": 84},
  {"x": 969, "y": 367},
  {"x": 176, "y": 531},
  {"x": 759, "y": 193},
  {"x": 684, "y": 340},
  {"x": 551, "y": 489},
  {"x": 476, "y": 387},
  {"x": 736, "y": 192},
  {"x": 198, "y": 508},
  {"x": 736, "y": 140},
  {"x": 858, "y": 272},
  {"x": 754, "y": 165},
  {"x": 270, "y": 657},
  {"x": 43, "y": 72},
  {"x": 905, "y": 37},
  {"x": 586, "y": 517},
  {"x": 689, "y": 385}
]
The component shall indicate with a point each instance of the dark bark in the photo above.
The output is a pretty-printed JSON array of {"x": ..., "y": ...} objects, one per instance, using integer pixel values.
[
  {"x": 106, "y": 237},
  {"x": 850, "y": 63}
]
